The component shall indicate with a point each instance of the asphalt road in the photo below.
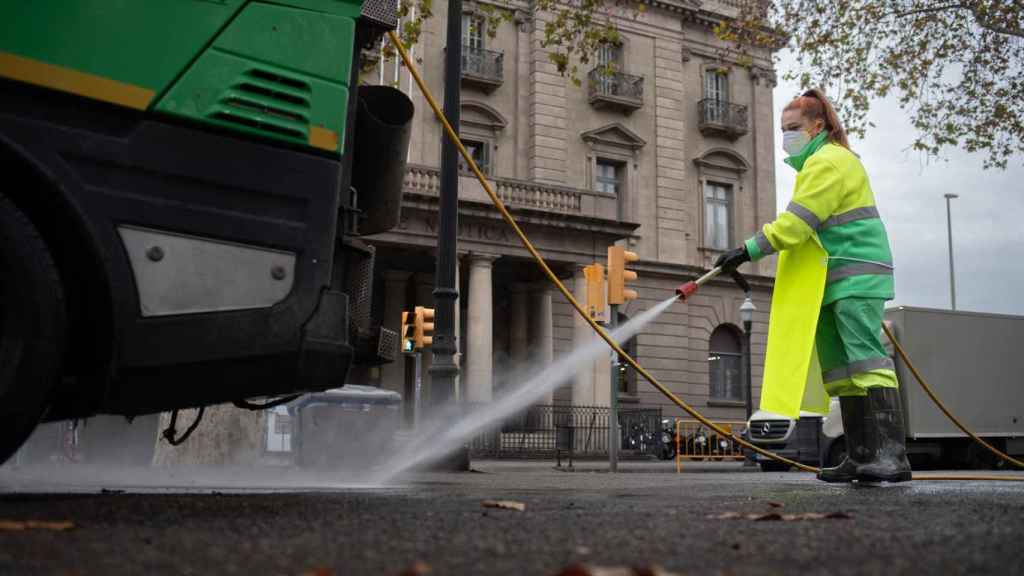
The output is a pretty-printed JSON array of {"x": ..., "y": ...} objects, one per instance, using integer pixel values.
[{"x": 242, "y": 522}]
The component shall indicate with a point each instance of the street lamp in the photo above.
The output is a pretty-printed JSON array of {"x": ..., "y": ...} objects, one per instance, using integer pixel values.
[
  {"x": 949, "y": 228},
  {"x": 747, "y": 316}
]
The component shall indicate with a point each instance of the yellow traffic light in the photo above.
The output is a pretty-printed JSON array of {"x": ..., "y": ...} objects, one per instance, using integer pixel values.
[
  {"x": 618, "y": 275},
  {"x": 423, "y": 327},
  {"x": 405, "y": 333},
  {"x": 594, "y": 275}
]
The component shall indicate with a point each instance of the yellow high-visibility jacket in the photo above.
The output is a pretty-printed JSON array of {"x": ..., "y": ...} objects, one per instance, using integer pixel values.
[{"x": 832, "y": 245}]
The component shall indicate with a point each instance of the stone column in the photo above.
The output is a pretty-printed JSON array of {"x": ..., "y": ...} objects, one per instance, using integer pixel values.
[
  {"x": 583, "y": 384},
  {"x": 519, "y": 325},
  {"x": 395, "y": 283},
  {"x": 543, "y": 352},
  {"x": 479, "y": 381}
]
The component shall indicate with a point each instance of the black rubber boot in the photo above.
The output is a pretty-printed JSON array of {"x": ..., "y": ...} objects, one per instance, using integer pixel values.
[
  {"x": 889, "y": 462},
  {"x": 857, "y": 422}
]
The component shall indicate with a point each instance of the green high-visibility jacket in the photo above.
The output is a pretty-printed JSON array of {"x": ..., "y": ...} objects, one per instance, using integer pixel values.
[
  {"x": 833, "y": 199},
  {"x": 833, "y": 245}
]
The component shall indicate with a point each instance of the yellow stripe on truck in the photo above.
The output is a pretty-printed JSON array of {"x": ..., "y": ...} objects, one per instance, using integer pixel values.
[
  {"x": 324, "y": 138},
  {"x": 74, "y": 81}
]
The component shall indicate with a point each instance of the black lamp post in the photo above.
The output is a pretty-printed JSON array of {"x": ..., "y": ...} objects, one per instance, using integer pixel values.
[
  {"x": 747, "y": 316},
  {"x": 443, "y": 369}
]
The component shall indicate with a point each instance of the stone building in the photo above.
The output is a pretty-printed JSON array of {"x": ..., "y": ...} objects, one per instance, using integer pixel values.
[{"x": 671, "y": 156}]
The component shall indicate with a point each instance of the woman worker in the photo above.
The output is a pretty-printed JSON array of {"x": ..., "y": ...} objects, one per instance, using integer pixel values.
[{"x": 834, "y": 275}]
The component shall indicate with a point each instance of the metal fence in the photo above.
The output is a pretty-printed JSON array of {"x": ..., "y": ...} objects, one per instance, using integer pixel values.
[
  {"x": 486, "y": 64},
  {"x": 570, "y": 431},
  {"x": 615, "y": 84},
  {"x": 695, "y": 442},
  {"x": 723, "y": 113}
]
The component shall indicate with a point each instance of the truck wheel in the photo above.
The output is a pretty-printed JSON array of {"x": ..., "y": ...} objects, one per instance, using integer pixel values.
[{"x": 32, "y": 327}]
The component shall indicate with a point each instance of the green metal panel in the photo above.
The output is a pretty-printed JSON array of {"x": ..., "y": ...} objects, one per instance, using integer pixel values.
[
  {"x": 257, "y": 98},
  {"x": 307, "y": 42},
  {"x": 277, "y": 71},
  {"x": 145, "y": 43}
]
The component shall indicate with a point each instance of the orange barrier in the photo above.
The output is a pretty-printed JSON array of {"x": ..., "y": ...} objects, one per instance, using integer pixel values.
[{"x": 697, "y": 443}]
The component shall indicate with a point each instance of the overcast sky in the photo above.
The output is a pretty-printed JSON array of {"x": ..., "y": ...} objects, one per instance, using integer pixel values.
[{"x": 988, "y": 245}]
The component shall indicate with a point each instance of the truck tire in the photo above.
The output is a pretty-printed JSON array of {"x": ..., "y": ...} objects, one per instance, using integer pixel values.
[{"x": 33, "y": 323}]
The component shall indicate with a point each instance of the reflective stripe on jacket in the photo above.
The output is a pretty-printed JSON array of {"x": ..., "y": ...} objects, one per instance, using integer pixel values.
[{"x": 833, "y": 199}]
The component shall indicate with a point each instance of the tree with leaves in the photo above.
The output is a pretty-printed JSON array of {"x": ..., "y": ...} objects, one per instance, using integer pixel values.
[
  {"x": 957, "y": 68},
  {"x": 574, "y": 30}
]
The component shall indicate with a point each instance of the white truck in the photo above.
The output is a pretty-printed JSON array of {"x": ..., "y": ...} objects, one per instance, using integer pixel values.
[{"x": 974, "y": 363}]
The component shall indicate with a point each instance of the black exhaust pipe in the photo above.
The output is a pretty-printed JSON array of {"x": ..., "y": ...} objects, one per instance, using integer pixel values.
[{"x": 383, "y": 127}]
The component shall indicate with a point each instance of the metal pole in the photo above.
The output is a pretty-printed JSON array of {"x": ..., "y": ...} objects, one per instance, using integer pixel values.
[
  {"x": 417, "y": 394},
  {"x": 747, "y": 325},
  {"x": 949, "y": 228},
  {"x": 613, "y": 408},
  {"x": 443, "y": 369}
]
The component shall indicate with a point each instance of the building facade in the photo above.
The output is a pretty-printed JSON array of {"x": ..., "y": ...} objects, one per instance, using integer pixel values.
[{"x": 670, "y": 156}]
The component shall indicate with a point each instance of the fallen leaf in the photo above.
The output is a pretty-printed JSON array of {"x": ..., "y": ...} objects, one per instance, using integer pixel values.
[
  {"x": 775, "y": 516},
  {"x": 586, "y": 570},
  {"x": 776, "y": 504},
  {"x": 419, "y": 568},
  {"x": 505, "y": 505},
  {"x": 725, "y": 516},
  {"x": 21, "y": 525}
]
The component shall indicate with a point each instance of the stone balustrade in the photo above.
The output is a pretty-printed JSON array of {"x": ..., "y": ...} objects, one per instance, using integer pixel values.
[{"x": 426, "y": 181}]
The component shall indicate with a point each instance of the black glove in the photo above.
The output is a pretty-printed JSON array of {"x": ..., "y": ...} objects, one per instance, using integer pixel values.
[{"x": 732, "y": 259}]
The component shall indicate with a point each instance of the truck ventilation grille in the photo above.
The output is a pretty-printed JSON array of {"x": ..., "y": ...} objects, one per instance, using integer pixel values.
[
  {"x": 381, "y": 13},
  {"x": 267, "y": 102}
]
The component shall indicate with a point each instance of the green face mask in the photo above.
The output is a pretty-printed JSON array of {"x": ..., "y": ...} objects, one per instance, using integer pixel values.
[{"x": 797, "y": 160}]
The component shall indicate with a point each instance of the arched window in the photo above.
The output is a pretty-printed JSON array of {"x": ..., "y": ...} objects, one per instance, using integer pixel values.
[{"x": 725, "y": 354}]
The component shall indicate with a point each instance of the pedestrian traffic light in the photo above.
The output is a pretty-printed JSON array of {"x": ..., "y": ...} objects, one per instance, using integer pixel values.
[
  {"x": 618, "y": 275},
  {"x": 594, "y": 276},
  {"x": 423, "y": 327},
  {"x": 405, "y": 332}
]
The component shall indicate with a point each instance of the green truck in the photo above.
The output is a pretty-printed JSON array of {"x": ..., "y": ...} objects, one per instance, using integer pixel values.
[{"x": 186, "y": 188}]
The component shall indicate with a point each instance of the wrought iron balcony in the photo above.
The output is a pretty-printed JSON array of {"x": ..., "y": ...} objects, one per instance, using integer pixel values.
[
  {"x": 616, "y": 90},
  {"x": 721, "y": 118},
  {"x": 482, "y": 68}
]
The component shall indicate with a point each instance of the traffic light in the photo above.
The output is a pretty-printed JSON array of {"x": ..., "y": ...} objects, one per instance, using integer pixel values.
[
  {"x": 594, "y": 276},
  {"x": 423, "y": 327},
  {"x": 405, "y": 333},
  {"x": 618, "y": 257}
]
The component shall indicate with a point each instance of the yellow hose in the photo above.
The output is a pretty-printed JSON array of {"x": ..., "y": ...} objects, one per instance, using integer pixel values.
[{"x": 507, "y": 217}]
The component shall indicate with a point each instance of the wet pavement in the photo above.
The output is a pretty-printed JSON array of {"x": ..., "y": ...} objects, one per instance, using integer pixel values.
[{"x": 711, "y": 519}]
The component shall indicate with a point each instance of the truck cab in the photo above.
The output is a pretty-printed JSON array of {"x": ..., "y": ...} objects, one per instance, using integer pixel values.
[{"x": 187, "y": 185}]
